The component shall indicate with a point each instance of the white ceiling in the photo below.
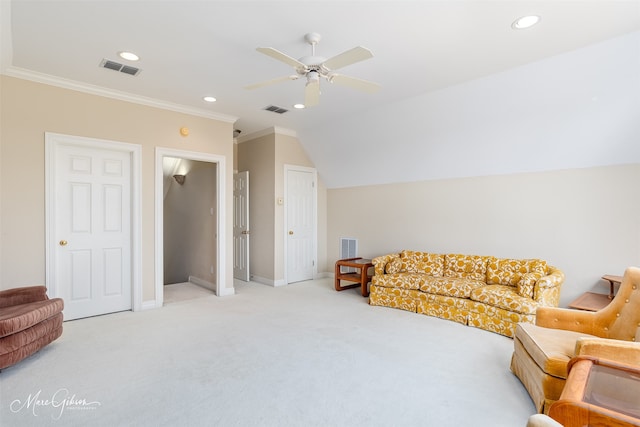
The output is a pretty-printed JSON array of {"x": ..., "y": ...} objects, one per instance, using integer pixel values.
[{"x": 190, "y": 49}]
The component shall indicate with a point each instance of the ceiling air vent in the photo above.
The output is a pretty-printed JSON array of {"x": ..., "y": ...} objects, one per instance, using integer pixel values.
[
  {"x": 116, "y": 66},
  {"x": 275, "y": 109}
]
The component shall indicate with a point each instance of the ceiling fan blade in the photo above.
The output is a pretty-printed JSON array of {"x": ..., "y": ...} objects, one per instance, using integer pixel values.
[
  {"x": 270, "y": 82},
  {"x": 276, "y": 54},
  {"x": 349, "y": 57},
  {"x": 359, "y": 84},
  {"x": 312, "y": 93}
]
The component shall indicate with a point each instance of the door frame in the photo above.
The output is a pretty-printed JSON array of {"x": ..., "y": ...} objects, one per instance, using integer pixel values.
[
  {"x": 314, "y": 172},
  {"x": 221, "y": 266},
  {"x": 52, "y": 142}
]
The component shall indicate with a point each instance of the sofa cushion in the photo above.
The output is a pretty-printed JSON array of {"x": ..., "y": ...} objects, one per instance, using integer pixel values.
[
  {"x": 394, "y": 266},
  {"x": 505, "y": 297},
  {"x": 422, "y": 262},
  {"x": 527, "y": 284},
  {"x": 449, "y": 286},
  {"x": 398, "y": 280},
  {"x": 465, "y": 266},
  {"x": 20, "y": 317},
  {"x": 507, "y": 271}
]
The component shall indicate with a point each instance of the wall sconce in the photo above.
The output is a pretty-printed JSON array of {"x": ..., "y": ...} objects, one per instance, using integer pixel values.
[{"x": 179, "y": 179}]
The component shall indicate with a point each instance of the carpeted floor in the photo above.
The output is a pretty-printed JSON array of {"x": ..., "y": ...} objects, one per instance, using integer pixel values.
[
  {"x": 184, "y": 291},
  {"x": 298, "y": 355}
]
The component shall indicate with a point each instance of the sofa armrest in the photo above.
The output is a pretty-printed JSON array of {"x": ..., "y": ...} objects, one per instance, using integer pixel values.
[
  {"x": 380, "y": 262},
  {"x": 17, "y": 296},
  {"x": 555, "y": 278},
  {"x": 546, "y": 291},
  {"x": 626, "y": 352}
]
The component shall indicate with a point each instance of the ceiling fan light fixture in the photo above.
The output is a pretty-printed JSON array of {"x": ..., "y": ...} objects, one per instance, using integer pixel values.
[
  {"x": 525, "y": 22},
  {"x": 313, "y": 77}
]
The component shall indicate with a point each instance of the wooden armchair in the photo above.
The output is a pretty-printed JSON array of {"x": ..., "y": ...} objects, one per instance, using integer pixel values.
[
  {"x": 29, "y": 320},
  {"x": 542, "y": 351}
]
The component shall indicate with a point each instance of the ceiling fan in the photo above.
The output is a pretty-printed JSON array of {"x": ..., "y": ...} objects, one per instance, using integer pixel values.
[{"x": 314, "y": 68}]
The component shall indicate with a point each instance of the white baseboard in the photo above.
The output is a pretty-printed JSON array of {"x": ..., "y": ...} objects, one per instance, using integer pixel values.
[
  {"x": 281, "y": 282},
  {"x": 224, "y": 291},
  {"x": 202, "y": 283},
  {"x": 266, "y": 281},
  {"x": 148, "y": 305}
]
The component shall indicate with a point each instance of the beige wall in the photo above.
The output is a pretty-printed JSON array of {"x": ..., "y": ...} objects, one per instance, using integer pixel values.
[
  {"x": 265, "y": 158},
  {"x": 189, "y": 225},
  {"x": 584, "y": 221},
  {"x": 29, "y": 109}
]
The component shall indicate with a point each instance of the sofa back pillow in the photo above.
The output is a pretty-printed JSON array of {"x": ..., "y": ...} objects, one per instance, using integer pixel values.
[
  {"x": 393, "y": 266},
  {"x": 527, "y": 284},
  {"x": 422, "y": 262},
  {"x": 466, "y": 266},
  {"x": 507, "y": 271}
]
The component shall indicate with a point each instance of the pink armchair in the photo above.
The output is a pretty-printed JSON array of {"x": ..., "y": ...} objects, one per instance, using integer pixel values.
[{"x": 29, "y": 320}]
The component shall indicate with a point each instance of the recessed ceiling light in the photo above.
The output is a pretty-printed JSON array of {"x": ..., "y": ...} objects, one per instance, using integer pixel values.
[
  {"x": 525, "y": 22},
  {"x": 209, "y": 99},
  {"x": 298, "y": 106},
  {"x": 129, "y": 56}
]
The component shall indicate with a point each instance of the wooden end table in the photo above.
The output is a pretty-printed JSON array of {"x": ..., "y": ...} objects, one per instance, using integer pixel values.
[
  {"x": 613, "y": 280},
  {"x": 592, "y": 301},
  {"x": 361, "y": 278},
  {"x": 599, "y": 392}
]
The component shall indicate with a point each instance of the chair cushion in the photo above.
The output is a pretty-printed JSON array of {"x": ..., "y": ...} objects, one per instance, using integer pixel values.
[
  {"x": 551, "y": 349},
  {"x": 20, "y": 317},
  {"x": 15, "y": 347}
]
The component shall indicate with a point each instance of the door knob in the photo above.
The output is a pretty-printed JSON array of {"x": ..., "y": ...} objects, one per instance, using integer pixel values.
[
  {"x": 63, "y": 243},
  {"x": 290, "y": 232}
]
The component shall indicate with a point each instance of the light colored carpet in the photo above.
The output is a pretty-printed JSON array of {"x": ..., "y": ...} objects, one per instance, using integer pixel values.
[
  {"x": 298, "y": 355},
  {"x": 184, "y": 291}
]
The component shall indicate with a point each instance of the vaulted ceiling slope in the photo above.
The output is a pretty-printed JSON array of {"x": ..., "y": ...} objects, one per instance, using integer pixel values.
[{"x": 463, "y": 93}]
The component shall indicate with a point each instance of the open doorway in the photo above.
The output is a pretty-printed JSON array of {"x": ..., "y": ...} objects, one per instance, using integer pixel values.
[{"x": 189, "y": 221}]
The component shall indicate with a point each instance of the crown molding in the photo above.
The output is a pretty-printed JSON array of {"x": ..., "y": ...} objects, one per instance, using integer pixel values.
[
  {"x": 276, "y": 130},
  {"x": 47, "y": 79}
]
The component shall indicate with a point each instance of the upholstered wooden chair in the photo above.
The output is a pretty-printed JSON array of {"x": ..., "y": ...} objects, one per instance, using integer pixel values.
[
  {"x": 29, "y": 320},
  {"x": 542, "y": 351}
]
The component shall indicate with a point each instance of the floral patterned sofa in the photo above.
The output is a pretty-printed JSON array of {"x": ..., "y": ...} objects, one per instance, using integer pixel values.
[{"x": 482, "y": 291}]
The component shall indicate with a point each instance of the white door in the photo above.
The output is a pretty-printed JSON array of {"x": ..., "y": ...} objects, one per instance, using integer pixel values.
[
  {"x": 300, "y": 236},
  {"x": 241, "y": 226},
  {"x": 92, "y": 220}
]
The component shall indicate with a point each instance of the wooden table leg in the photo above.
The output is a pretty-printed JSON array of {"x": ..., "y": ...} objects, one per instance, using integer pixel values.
[{"x": 364, "y": 281}]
